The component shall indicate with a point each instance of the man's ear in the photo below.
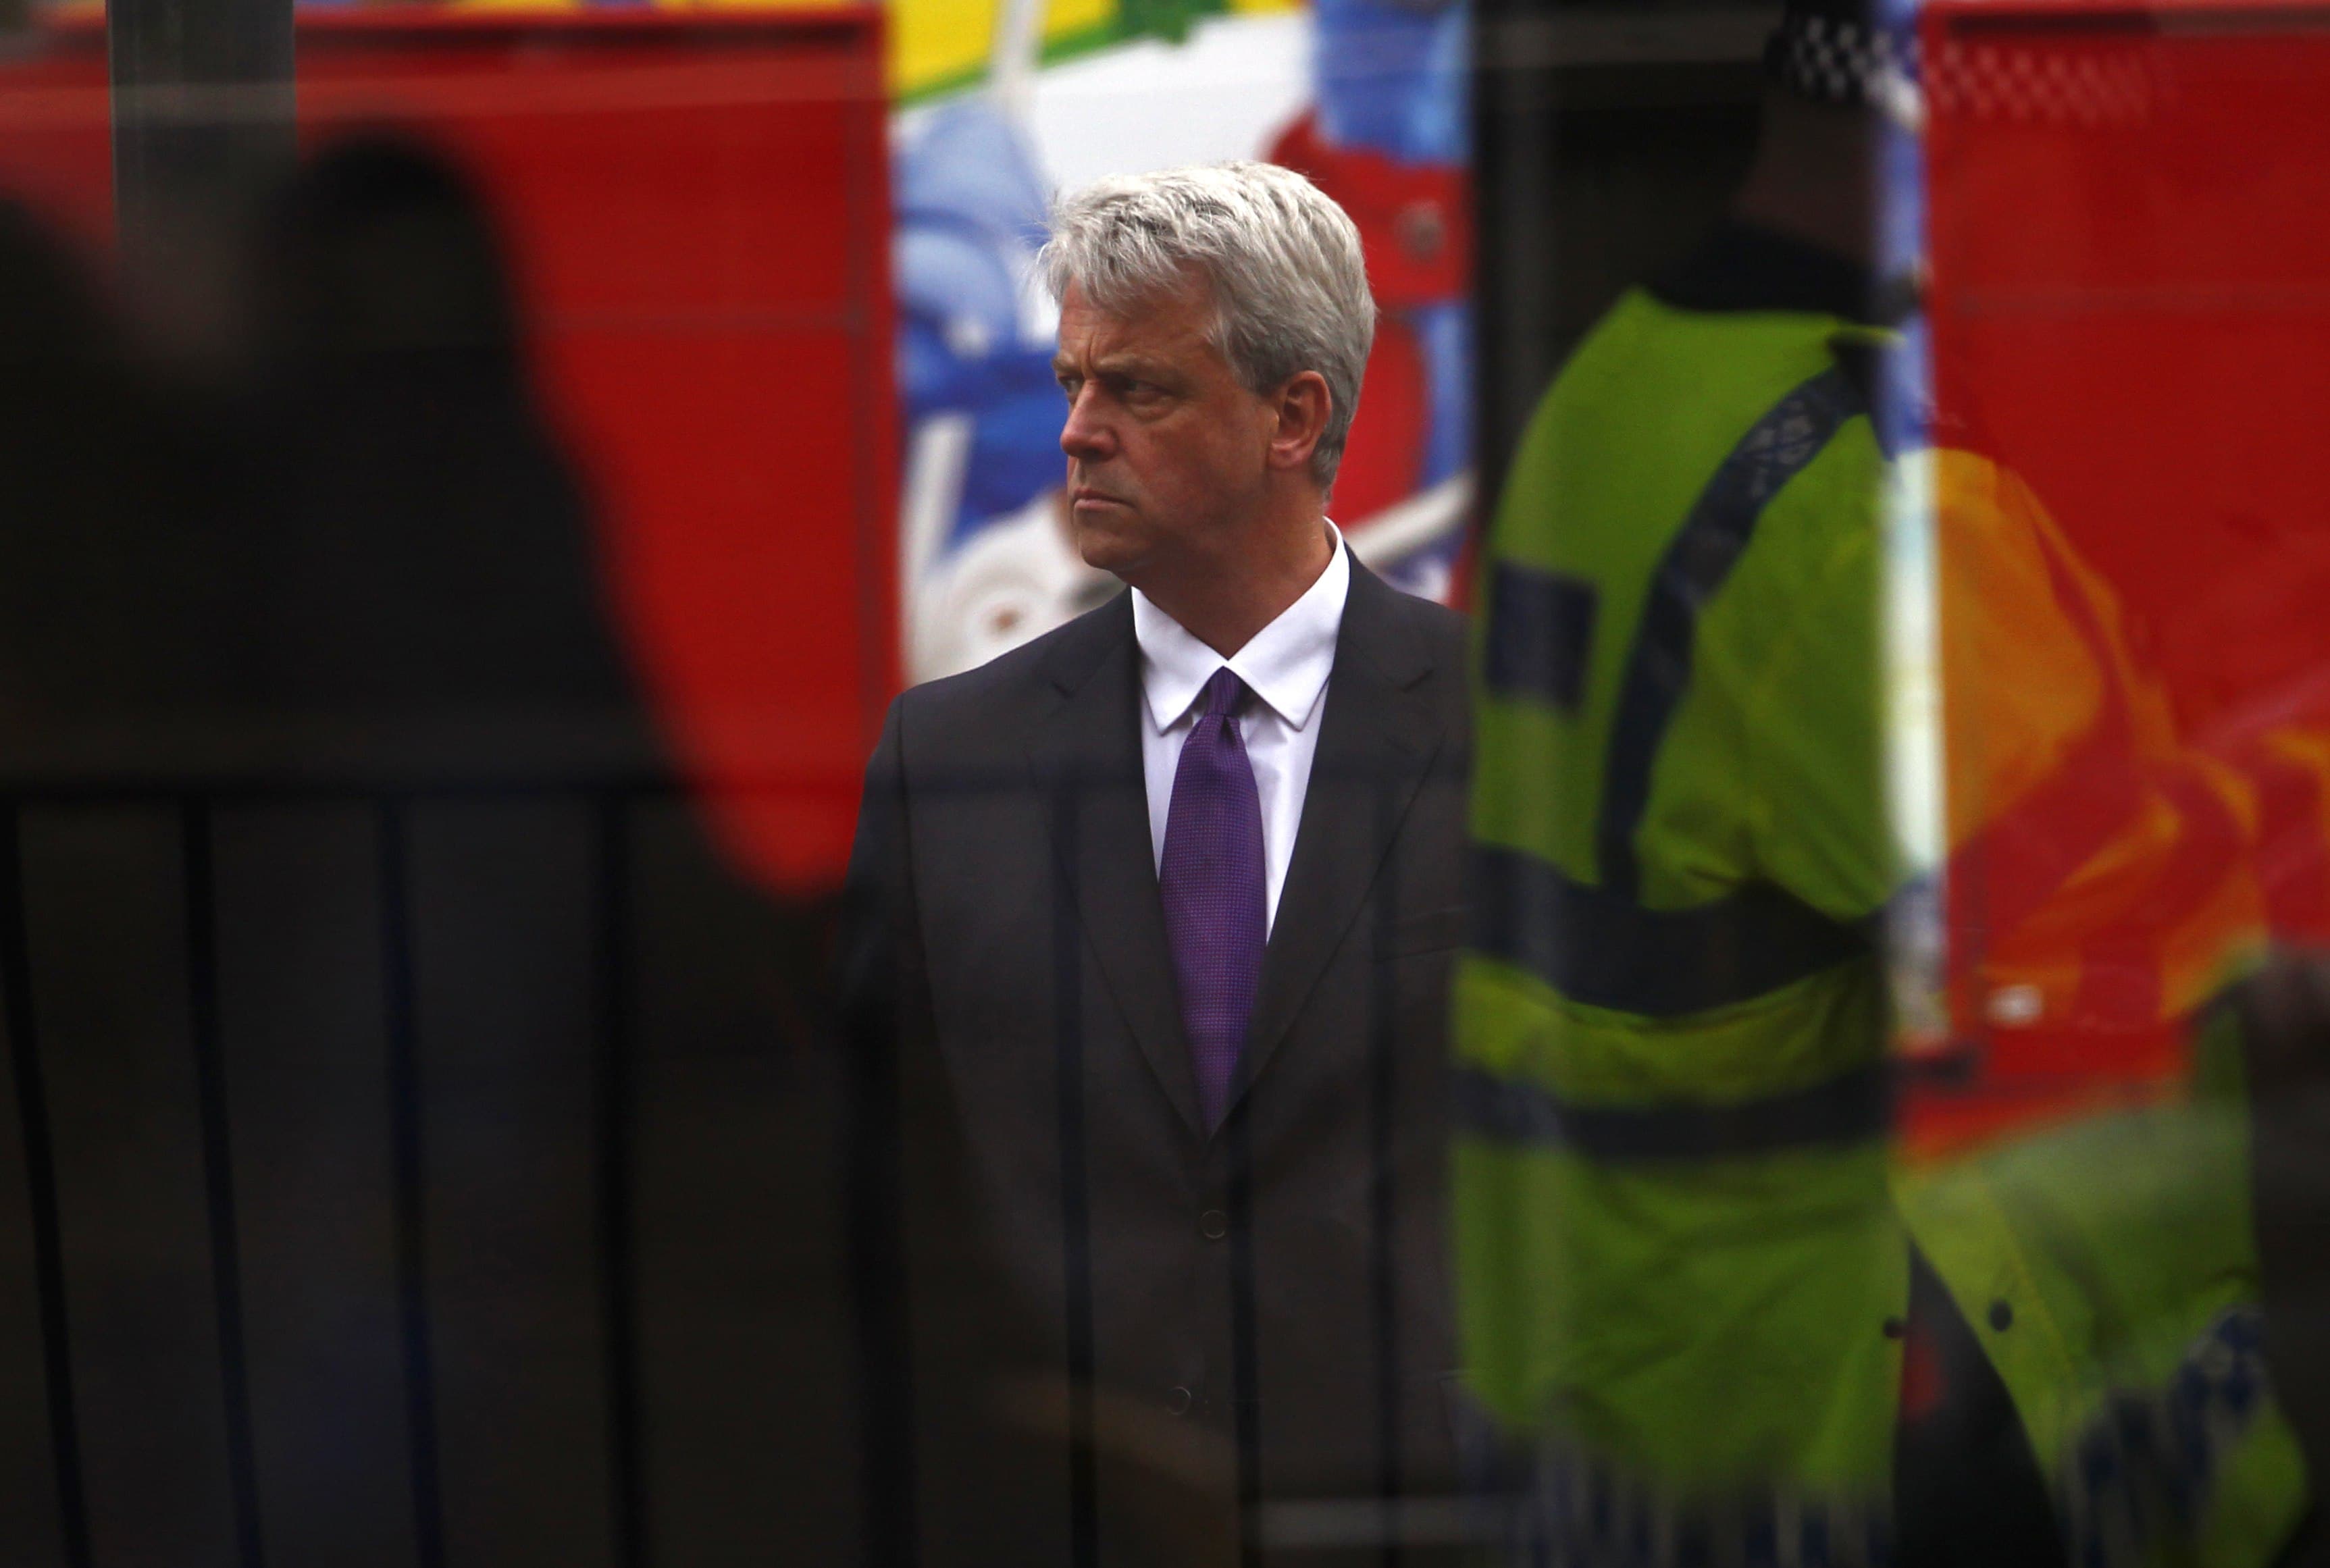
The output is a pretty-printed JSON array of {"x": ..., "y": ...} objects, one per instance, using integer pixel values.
[{"x": 1303, "y": 407}]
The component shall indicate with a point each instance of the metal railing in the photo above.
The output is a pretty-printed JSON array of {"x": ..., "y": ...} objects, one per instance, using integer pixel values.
[{"x": 195, "y": 808}]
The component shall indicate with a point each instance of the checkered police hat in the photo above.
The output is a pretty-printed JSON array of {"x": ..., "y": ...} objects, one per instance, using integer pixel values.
[{"x": 1840, "y": 52}]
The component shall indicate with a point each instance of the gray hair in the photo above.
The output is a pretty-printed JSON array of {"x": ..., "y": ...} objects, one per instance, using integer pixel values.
[{"x": 1289, "y": 287}]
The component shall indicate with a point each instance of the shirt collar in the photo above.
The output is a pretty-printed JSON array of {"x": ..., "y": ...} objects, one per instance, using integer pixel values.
[{"x": 1286, "y": 664}]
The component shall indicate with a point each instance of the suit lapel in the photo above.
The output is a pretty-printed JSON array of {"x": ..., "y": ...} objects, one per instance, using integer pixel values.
[
  {"x": 1380, "y": 734},
  {"x": 1086, "y": 756}
]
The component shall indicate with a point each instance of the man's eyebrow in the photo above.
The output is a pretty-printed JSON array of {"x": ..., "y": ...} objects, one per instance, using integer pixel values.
[
  {"x": 1132, "y": 364},
  {"x": 1138, "y": 366}
]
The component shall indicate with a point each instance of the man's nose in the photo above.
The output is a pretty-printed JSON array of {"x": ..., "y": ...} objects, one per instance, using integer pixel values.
[{"x": 1086, "y": 436}]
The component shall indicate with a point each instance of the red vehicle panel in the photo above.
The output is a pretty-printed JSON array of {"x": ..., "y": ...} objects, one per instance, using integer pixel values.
[{"x": 2130, "y": 235}]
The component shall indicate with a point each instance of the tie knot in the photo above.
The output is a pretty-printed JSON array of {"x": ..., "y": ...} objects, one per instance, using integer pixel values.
[{"x": 1225, "y": 694}]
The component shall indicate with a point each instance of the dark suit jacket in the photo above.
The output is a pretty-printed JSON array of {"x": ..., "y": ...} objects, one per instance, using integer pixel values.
[{"x": 1277, "y": 1288}]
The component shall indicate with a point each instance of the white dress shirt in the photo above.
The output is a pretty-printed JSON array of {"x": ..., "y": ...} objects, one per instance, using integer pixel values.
[{"x": 1285, "y": 665}]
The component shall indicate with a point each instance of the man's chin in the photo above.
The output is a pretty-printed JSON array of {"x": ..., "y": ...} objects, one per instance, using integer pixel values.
[{"x": 1104, "y": 550}]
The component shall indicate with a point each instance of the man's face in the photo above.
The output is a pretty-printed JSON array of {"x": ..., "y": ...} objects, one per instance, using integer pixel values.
[{"x": 1167, "y": 452}]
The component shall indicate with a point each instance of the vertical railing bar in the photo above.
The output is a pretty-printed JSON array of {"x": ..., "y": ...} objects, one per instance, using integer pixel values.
[
  {"x": 1382, "y": 1099},
  {"x": 874, "y": 1181},
  {"x": 1075, "y": 1186},
  {"x": 1245, "y": 1370},
  {"x": 198, "y": 865},
  {"x": 615, "y": 1130},
  {"x": 41, "y": 1185},
  {"x": 410, "y": 1181}
]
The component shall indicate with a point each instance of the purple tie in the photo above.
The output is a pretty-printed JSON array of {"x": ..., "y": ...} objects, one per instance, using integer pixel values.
[{"x": 1211, "y": 880}]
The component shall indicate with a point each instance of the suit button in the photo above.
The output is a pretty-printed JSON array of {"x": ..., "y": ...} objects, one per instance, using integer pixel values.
[
  {"x": 1213, "y": 1224},
  {"x": 1177, "y": 1401}
]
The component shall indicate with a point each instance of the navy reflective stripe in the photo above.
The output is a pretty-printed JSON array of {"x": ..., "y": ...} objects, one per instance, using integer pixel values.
[
  {"x": 1539, "y": 635},
  {"x": 1559, "y": 1504},
  {"x": 1886, "y": 376},
  {"x": 2148, "y": 1463},
  {"x": 1563, "y": 1504},
  {"x": 1697, "y": 560},
  {"x": 1854, "y": 1107},
  {"x": 1597, "y": 947}
]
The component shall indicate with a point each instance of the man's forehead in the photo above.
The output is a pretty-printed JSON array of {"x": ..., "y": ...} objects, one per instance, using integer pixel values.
[
  {"x": 1190, "y": 291},
  {"x": 1165, "y": 324}
]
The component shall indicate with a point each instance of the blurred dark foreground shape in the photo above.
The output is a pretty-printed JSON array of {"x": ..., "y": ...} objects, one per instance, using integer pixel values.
[
  {"x": 419, "y": 1147},
  {"x": 2283, "y": 1017}
]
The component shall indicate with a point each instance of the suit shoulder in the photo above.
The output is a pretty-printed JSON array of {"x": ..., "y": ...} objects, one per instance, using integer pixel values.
[
  {"x": 1442, "y": 631},
  {"x": 1010, "y": 683},
  {"x": 1433, "y": 641},
  {"x": 1438, "y": 622}
]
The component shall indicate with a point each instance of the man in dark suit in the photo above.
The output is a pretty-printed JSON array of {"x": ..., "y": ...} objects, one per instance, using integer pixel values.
[{"x": 1154, "y": 920}]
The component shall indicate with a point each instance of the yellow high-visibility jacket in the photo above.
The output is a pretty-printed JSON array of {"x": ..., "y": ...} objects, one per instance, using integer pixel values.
[{"x": 1685, "y": 1203}]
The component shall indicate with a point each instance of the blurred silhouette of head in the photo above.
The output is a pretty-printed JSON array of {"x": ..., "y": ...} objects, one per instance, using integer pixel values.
[
  {"x": 380, "y": 247},
  {"x": 381, "y": 562},
  {"x": 430, "y": 561}
]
